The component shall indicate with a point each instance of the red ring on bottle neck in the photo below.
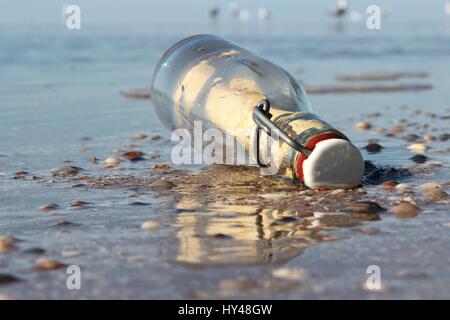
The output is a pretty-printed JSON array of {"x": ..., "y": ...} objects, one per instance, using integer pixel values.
[{"x": 310, "y": 145}]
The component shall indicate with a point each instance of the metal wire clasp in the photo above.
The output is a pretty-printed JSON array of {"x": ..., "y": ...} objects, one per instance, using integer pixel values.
[{"x": 262, "y": 116}]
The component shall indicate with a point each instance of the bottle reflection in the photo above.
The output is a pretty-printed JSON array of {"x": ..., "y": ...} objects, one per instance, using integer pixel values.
[
  {"x": 230, "y": 216},
  {"x": 239, "y": 235}
]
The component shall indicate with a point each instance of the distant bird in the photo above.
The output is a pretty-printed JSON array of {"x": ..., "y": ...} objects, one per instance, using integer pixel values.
[
  {"x": 447, "y": 8},
  {"x": 244, "y": 14},
  {"x": 214, "y": 11},
  {"x": 233, "y": 9},
  {"x": 263, "y": 14},
  {"x": 340, "y": 9}
]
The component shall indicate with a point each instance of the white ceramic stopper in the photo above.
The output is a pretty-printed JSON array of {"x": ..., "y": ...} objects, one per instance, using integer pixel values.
[{"x": 334, "y": 163}]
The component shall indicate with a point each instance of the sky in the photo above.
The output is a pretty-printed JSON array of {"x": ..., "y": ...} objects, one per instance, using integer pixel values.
[{"x": 152, "y": 12}]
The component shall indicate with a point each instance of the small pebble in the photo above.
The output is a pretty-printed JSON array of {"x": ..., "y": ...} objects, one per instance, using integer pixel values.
[
  {"x": 364, "y": 207},
  {"x": 139, "y": 203},
  {"x": 373, "y": 148},
  {"x": 133, "y": 155},
  {"x": 366, "y": 216},
  {"x": 418, "y": 147},
  {"x": 6, "y": 246},
  {"x": 444, "y": 137},
  {"x": 162, "y": 184},
  {"x": 160, "y": 167},
  {"x": 335, "y": 220},
  {"x": 429, "y": 138},
  {"x": 48, "y": 264},
  {"x": 66, "y": 224},
  {"x": 21, "y": 173},
  {"x": 137, "y": 93},
  {"x": 221, "y": 236},
  {"x": 405, "y": 210},
  {"x": 34, "y": 250},
  {"x": 65, "y": 171},
  {"x": 9, "y": 239},
  {"x": 150, "y": 225},
  {"x": 430, "y": 186},
  {"x": 419, "y": 158},
  {"x": 78, "y": 204},
  {"x": 49, "y": 207},
  {"x": 363, "y": 125},
  {"x": 155, "y": 137},
  {"x": 435, "y": 195},
  {"x": 411, "y": 137},
  {"x": 71, "y": 253},
  {"x": 6, "y": 278},
  {"x": 78, "y": 185},
  {"x": 338, "y": 191},
  {"x": 389, "y": 184},
  {"x": 295, "y": 274},
  {"x": 403, "y": 187},
  {"x": 408, "y": 200},
  {"x": 395, "y": 130},
  {"x": 112, "y": 162},
  {"x": 139, "y": 136}
]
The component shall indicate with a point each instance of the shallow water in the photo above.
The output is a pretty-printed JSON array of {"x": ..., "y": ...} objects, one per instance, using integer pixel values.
[{"x": 223, "y": 231}]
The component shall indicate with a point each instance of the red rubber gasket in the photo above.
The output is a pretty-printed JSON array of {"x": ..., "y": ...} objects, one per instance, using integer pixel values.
[{"x": 310, "y": 145}]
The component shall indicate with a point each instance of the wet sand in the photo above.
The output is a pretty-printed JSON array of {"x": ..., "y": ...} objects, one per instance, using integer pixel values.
[
  {"x": 225, "y": 231},
  {"x": 147, "y": 229}
]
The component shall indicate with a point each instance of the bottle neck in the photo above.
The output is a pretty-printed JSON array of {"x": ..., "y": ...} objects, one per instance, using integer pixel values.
[{"x": 306, "y": 129}]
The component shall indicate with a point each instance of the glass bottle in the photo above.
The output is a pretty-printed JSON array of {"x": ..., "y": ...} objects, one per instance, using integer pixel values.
[{"x": 207, "y": 85}]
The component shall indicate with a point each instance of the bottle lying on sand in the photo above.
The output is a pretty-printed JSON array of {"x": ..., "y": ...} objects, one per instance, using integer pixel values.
[{"x": 263, "y": 112}]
